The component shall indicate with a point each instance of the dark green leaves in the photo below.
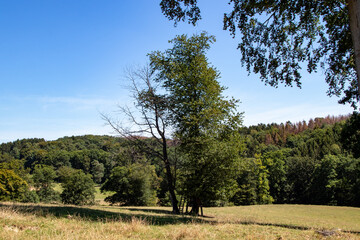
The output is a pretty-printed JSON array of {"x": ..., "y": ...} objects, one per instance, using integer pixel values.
[
  {"x": 179, "y": 10},
  {"x": 280, "y": 38}
]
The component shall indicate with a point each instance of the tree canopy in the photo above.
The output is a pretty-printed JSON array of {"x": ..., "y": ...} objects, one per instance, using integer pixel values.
[{"x": 279, "y": 38}]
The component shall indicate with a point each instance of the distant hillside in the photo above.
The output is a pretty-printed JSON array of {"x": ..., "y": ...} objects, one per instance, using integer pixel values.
[{"x": 313, "y": 162}]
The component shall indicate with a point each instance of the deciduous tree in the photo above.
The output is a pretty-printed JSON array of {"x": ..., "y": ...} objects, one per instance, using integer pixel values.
[{"x": 204, "y": 121}]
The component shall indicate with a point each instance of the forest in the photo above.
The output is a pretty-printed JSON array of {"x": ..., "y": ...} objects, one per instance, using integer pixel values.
[{"x": 313, "y": 162}]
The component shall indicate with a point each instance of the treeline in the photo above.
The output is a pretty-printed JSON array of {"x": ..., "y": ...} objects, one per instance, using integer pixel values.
[
  {"x": 314, "y": 162},
  {"x": 316, "y": 165}
]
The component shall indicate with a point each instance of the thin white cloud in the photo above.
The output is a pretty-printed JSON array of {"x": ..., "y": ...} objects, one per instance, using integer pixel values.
[
  {"x": 78, "y": 102},
  {"x": 294, "y": 113}
]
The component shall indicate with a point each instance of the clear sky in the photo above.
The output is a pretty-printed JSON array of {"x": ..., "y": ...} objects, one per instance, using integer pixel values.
[{"x": 62, "y": 64}]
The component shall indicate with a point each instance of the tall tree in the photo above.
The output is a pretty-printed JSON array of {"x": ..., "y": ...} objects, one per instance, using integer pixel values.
[
  {"x": 204, "y": 121},
  {"x": 278, "y": 37},
  {"x": 151, "y": 119}
]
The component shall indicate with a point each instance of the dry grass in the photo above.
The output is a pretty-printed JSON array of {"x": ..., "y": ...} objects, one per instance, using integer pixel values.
[
  {"x": 302, "y": 216},
  {"x": 25, "y": 221}
]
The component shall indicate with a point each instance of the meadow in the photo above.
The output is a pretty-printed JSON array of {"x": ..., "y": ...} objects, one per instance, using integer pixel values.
[{"x": 51, "y": 221}]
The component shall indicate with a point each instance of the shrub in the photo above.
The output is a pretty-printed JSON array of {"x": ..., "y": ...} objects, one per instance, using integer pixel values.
[
  {"x": 78, "y": 189},
  {"x": 31, "y": 196},
  {"x": 12, "y": 187},
  {"x": 43, "y": 177},
  {"x": 134, "y": 185}
]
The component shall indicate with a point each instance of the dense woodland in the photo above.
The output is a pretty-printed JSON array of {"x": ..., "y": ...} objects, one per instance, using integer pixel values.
[{"x": 314, "y": 162}]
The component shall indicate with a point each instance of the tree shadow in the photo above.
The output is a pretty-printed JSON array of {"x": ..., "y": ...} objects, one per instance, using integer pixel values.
[
  {"x": 161, "y": 211},
  {"x": 91, "y": 214}
]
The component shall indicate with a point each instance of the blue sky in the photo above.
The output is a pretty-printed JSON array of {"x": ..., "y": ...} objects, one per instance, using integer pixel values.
[{"x": 62, "y": 64}]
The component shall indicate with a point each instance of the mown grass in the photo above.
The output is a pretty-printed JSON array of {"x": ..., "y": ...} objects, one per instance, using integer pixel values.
[{"x": 28, "y": 221}]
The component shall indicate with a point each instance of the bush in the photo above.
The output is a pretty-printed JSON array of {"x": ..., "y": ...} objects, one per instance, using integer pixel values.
[
  {"x": 134, "y": 185},
  {"x": 12, "y": 187},
  {"x": 43, "y": 177},
  {"x": 78, "y": 189},
  {"x": 31, "y": 196}
]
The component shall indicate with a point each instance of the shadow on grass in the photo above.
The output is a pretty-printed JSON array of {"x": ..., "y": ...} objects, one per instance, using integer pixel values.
[
  {"x": 90, "y": 214},
  {"x": 160, "y": 211},
  {"x": 289, "y": 226}
]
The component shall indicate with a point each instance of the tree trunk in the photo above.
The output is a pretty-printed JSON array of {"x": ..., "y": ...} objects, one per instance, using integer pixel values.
[
  {"x": 195, "y": 206},
  {"x": 170, "y": 179},
  {"x": 354, "y": 16},
  {"x": 171, "y": 187}
]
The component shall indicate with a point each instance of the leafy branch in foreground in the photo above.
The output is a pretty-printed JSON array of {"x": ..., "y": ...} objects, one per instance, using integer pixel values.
[{"x": 279, "y": 38}]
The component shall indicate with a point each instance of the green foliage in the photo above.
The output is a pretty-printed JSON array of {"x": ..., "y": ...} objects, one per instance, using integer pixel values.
[
  {"x": 350, "y": 135},
  {"x": 292, "y": 33},
  {"x": 64, "y": 173},
  {"x": 299, "y": 176},
  {"x": 78, "y": 189},
  {"x": 247, "y": 184},
  {"x": 97, "y": 170},
  {"x": 348, "y": 185},
  {"x": 174, "y": 10},
  {"x": 31, "y": 196},
  {"x": 314, "y": 162},
  {"x": 325, "y": 180},
  {"x": 205, "y": 122},
  {"x": 210, "y": 177},
  {"x": 9, "y": 162},
  {"x": 43, "y": 177},
  {"x": 337, "y": 181},
  {"x": 253, "y": 184},
  {"x": 12, "y": 187},
  {"x": 279, "y": 37},
  {"x": 275, "y": 163},
  {"x": 134, "y": 185}
]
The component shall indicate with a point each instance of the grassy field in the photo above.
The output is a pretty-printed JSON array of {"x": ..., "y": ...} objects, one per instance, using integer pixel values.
[{"x": 27, "y": 221}]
